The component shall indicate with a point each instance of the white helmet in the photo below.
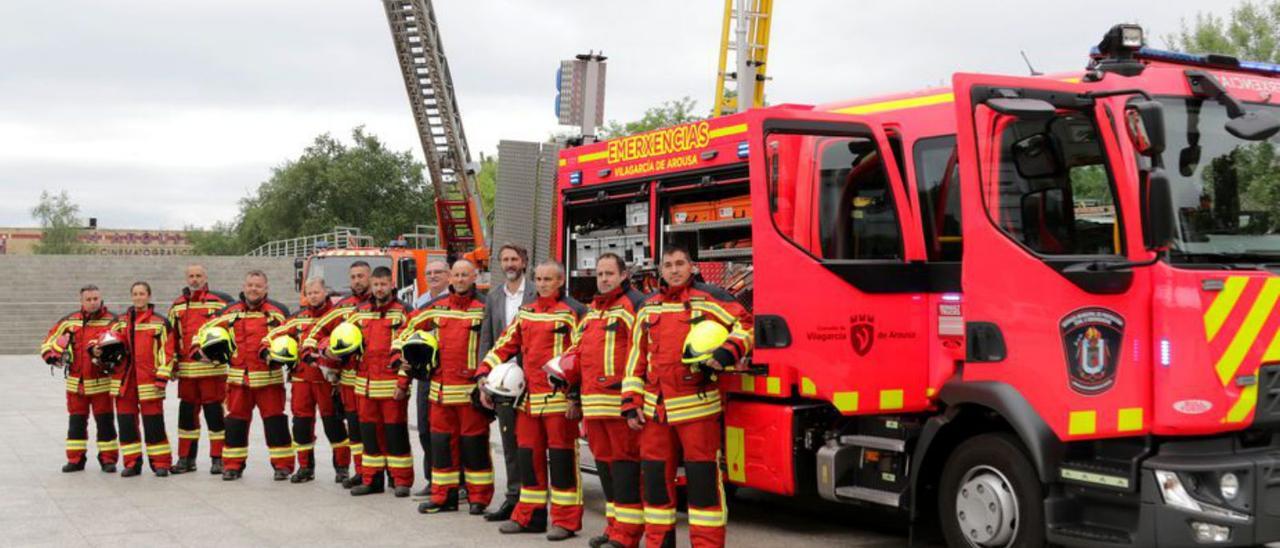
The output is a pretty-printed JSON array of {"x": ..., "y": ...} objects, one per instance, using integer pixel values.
[{"x": 506, "y": 381}]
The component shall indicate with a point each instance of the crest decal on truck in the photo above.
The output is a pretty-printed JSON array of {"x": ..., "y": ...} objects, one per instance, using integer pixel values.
[
  {"x": 862, "y": 333},
  {"x": 1091, "y": 339}
]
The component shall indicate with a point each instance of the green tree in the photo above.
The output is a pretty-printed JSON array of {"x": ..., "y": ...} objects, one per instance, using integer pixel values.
[
  {"x": 669, "y": 113},
  {"x": 364, "y": 184},
  {"x": 1251, "y": 31},
  {"x": 487, "y": 185},
  {"x": 60, "y": 220}
]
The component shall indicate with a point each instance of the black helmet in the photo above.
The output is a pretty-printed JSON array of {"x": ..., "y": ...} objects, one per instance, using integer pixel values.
[{"x": 419, "y": 351}]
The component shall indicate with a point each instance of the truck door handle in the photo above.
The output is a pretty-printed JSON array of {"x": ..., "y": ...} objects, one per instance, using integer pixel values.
[
  {"x": 984, "y": 343},
  {"x": 772, "y": 332}
]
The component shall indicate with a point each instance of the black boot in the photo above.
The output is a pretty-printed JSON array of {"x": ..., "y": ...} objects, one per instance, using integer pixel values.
[
  {"x": 73, "y": 467},
  {"x": 183, "y": 466},
  {"x": 215, "y": 467},
  {"x": 281, "y": 474},
  {"x": 598, "y": 541},
  {"x": 230, "y": 475},
  {"x": 362, "y": 490},
  {"x": 132, "y": 471},
  {"x": 303, "y": 475},
  {"x": 352, "y": 482},
  {"x": 109, "y": 467},
  {"x": 503, "y": 513},
  {"x": 341, "y": 476},
  {"x": 450, "y": 504},
  {"x": 476, "y": 509}
]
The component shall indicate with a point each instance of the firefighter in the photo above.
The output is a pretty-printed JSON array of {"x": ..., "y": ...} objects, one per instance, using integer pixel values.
[
  {"x": 253, "y": 381},
  {"x": 202, "y": 386},
  {"x": 139, "y": 383},
  {"x": 603, "y": 343},
  {"x": 459, "y": 431},
  {"x": 88, "y": 386},
  {"x": 313, "y": 354},
  {"x": 310, "y": 390},
  {"x": 546, "y": 435},
  {"x": 382, "y": 407},
  {"x": 670, "y": 395}
]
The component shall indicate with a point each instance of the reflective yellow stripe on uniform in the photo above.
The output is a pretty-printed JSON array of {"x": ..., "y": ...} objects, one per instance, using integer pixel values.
[
  {"x": 235, "y": 452},
  {"x": 632, "y": 516},
  {"x": 532, "y": 496},
  {"x": 659, "y": 516},
  {"x": 444, "y": 478},
  {"x": 479, "y": 478}
]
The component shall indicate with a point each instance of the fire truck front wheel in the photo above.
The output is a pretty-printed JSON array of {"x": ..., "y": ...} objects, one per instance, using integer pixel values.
[{"x": 989, "y": 495}]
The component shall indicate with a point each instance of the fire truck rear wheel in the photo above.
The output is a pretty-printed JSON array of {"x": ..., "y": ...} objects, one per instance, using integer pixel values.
[{"x": 990, "y": 496}]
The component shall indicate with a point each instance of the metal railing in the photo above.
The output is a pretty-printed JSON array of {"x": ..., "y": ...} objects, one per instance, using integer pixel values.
[
  {"x": 340, "y": 238},
  {"x": 423, "y": 237}
]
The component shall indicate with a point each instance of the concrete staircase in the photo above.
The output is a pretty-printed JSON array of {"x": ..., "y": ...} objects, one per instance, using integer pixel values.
[{"x": 35, "y": 291}]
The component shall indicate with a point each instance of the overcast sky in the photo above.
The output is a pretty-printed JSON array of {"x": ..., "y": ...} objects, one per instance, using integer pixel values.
[{"x": 163, "y": 113}]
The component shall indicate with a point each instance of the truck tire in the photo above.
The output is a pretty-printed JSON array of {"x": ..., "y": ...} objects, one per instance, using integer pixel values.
[{"x": 989, "y": 495}]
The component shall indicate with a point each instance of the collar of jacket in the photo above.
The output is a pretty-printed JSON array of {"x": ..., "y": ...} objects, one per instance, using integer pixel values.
[
  {"x": 252, "y": 305},
  {"x": 459, "y": 299},
  {"x": 320, "y": 309},
  {"x": 102, "y": 311},
  {"x": 677, "y": 292},
  {"x": 373, "y": 302},
  {"x": 604, "y": 300},
  {"x": 135, "y": 313},
  {"x": 199, "y": 294},
  {"x": 548, "y": 302}
]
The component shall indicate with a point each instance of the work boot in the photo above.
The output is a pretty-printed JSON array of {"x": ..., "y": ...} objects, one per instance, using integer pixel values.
[
  {"x": 558, "y": 533},
  {"x": 598, "y": 541},
  {"x": 161, "y": 472},
  {"x": 230, "y": 475},
  {"x": 402, "y": 491},
  {"x": 341, "y": 476},
  {"x": 73, "y": 467},
  {"x": 476, "y": 509},
  {"x": 503, "y": 513},
  {"x": 183, "y": 466},
  {"x": 303, "y": 475},
  {"x": 352, "y": 481},
  {"x": 281, "y": 474},
  {"x": 362, "y": 490},
  {"x": 422, "y": 494},
  {"x": 450, "y": 504},
  {"x": 109, "y": 467},
  {"x": 215, "y": 467},
  {"x": 131, "y": 471},
  {"x": 511, "y": 528}
]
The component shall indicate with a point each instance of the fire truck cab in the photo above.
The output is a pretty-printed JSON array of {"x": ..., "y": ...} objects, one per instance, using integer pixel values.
[
  {"x": 408, "y": 267},
  {"x": 1022, "y": 310}
]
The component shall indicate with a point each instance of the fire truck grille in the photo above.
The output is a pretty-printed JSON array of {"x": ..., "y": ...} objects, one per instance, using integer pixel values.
[{"x": 1268, "y": 412}]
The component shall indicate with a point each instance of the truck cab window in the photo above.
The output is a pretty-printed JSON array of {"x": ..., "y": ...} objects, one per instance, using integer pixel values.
[
  {"x": 938, "y": 179},
  {"x": 1053, "y": 192},
  {"x": 858, "y": 219}
]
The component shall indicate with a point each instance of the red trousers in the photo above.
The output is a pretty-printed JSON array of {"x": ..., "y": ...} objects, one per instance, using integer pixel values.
[
  {"x": 79, "y": 407},
  {"x": 351, "y": 413},
  {"x": 699, "y": 442},
  {"x": 304, "y": 399},
  {"x": 196, "y": 394},
  {"x": 128, "y": 407},
  {"x": 270, "y": 403},
  {"x": 616, "y": 448},
  {"x": 384, "y": 430},
  {"x": 548, "y": 444},
  {"x": 460, "y": 440}
]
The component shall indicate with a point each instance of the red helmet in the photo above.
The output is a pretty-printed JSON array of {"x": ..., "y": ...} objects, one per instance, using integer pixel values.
[{"x": 563, "y": 371}]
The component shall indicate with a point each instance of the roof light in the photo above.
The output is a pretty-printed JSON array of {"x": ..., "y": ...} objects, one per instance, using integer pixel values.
[
  {"x": 743, "y": 149},
  {"x": 398, "y": 243},
  {"x": 575, "y": 178},
  {"x": 1130, "y": 36}
]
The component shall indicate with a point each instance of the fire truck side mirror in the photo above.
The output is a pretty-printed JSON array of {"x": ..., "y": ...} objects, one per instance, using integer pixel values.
[
  {"x": 408, "y": 272},
  {"x": 1144, "y": 120},
  {"x": 297, "y": 274},
  {"x": 1023, "y": 108},
  {"x": 1157, "y": 215}
]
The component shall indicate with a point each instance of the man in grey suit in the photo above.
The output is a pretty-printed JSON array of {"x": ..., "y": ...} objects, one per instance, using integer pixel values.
[
  {"x": 501, "y": 306},
  {"x": 437, "y": 271}
]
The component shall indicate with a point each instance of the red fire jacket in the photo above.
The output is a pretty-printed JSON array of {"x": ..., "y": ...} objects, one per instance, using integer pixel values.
[
  {"x": 456, "y": 319},
  {"x": 540, "y": 331},
  {"x": 297, "y": 327},
  {"x": 249, "y": 324},
  {"x": 379, "y": 323},
  {"x": 81, "y": 327},
  {"x": 317, "y": 339},
  {"x": 603, "y": 343},
  {"x": 657, "y": 382},
  {"x": 189, "y": 312},
  {"x": 149, "y": 366}
]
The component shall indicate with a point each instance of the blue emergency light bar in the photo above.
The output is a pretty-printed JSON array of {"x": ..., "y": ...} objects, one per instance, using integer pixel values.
[{"x": 1201, "y": 60}]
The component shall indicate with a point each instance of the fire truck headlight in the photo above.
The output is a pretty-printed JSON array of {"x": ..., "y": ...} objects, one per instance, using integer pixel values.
[
  {"x": 1229, "y": 486},
  {"x": 1174, "y": 493},
  {"x": 1131, "y": 36}
]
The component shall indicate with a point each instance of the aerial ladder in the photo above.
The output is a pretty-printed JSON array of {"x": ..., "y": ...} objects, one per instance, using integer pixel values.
[
  {"x": 435, "y": 113},
  {"x": 746, "y": 32}
]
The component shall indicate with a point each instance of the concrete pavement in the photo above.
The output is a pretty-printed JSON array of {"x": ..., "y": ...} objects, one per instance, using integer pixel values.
[{"x": 40, "y": 506}]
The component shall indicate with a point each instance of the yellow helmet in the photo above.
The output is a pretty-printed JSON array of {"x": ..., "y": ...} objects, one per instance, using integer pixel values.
[
  {"x": 217, "y": 344},
  {"x": 346, "y": 339},
  {"x": 703, "y": 339},
  {"x": 419, "y": 351},
  {"x": 284, "y": 349}
]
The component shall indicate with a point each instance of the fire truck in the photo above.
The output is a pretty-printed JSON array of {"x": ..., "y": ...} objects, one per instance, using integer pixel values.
[
  {"x": 408, "y": 266},
  {"x": 1020, "y": 310}
]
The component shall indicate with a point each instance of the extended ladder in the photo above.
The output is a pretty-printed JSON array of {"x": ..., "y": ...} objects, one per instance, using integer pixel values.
[
  {"x": 746, "y": 32},
  {"x": 435, "y": 112}
]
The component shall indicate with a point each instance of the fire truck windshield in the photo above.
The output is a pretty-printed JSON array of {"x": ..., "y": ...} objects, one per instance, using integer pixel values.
[
  {"x": 333, "y": 269},
  {"x": 1226, "y": 190}
]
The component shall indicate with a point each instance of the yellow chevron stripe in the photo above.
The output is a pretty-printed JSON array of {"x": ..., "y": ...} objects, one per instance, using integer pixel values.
[
  {"x": 898, "y": 104},
  {"x": 1248, "y": 333},
  {"x": 1223, "y": 304}
]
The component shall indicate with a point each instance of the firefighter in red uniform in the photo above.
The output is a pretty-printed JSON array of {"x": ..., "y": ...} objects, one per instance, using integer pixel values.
[
  {"x": 252, "y": 382},
  {"x": 313, "y": 354},
  {"x": 384, "y": 410},
  {"x": 202, "y": 386},
  {"x": 545, "y": 432},
  {"x": 459, "y": 431},
  {"x": 88, "y": 388},
  {"x": 604, "y": 341},
  {"x": 309, "y": 390},
  {"x": 139, "y": 383},
  {"x": 676, "y": 405}
]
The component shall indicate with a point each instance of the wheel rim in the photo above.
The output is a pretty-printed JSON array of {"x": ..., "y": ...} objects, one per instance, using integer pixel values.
[{"x": 986, "y": 508}]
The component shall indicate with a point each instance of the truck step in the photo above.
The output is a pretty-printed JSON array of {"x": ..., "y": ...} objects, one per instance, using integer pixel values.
[
  {"x": 885, "y": 498},
  {"x": 1099, "y": 473},
  {"x": 1093, "y": 534},
  {"x": 875, "y": 442}
]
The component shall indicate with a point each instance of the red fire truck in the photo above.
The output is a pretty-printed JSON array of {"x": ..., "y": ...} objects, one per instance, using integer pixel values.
[{"x": 1022, "y": 310}]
